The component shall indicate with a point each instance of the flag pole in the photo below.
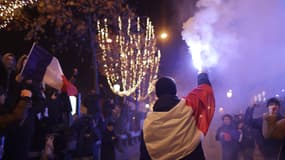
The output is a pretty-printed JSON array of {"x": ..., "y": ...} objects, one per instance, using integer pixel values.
[{"x": 34, "y": 44}]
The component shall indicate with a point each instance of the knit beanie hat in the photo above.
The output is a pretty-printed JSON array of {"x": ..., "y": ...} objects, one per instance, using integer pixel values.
[{"x": 165, "y": 85}]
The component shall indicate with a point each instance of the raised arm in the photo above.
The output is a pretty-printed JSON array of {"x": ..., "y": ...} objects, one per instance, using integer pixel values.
[
  {"x": 250, "y": 121},
  {"x": 202, "y": 101}
]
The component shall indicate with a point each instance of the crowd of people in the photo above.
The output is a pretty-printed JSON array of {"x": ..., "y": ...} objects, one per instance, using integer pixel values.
[
  {"x": 36, "y": 122},
  {"x": 242, "y": 135}
]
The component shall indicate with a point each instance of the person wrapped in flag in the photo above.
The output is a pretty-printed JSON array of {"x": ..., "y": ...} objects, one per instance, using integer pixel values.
[{"x": 175, "y": 128}]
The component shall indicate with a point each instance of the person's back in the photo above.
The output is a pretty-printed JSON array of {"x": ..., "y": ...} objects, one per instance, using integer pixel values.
[{"x": 175, "y": 127}]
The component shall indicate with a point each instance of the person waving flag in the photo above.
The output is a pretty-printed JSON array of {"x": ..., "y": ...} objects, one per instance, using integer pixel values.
[{"x": 41, "y": 66}]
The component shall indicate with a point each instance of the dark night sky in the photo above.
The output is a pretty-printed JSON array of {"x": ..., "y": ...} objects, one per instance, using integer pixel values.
[{"x": 169, "y": 15}]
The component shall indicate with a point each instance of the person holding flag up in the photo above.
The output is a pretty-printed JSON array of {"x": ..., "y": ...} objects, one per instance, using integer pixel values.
[
  {"x": 43, "y": 67},
  {"x": 39, "y": 67}
]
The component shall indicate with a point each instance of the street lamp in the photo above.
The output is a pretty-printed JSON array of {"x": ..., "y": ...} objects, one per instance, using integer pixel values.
[
  {"x": 147, "y": 106},
  {"x": 163, "y": 35}
]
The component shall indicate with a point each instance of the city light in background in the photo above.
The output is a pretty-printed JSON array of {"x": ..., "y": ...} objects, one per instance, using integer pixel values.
[
  {"x": 221, "y": 110},
  {"x": 8, "y": 8},
  {"x": 129, "y": 56},
  {"x": 116, "y": 88},
  {"x": 147, "y": 106},
  {"x": 230, "y": 93},
  {"x": 73, "y": 102},
  {"x": 163, "y": 35}
]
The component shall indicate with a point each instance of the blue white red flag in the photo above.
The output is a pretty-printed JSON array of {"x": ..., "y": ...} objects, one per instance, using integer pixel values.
[{"x": 41, "y": 66}]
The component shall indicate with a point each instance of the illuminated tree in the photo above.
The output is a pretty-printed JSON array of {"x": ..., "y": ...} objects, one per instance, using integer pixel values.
[{"x": 129, "y": 56}]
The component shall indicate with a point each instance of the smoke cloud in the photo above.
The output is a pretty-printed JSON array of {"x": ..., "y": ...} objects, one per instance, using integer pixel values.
[{"x": 243, "y": 44}]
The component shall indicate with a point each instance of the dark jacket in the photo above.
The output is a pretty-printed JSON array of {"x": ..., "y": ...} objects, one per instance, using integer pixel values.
[
  {"x": 17, "y": 115},
  {"x": 248, "y": 137},
  {"x": 15, "y": 146},
  {"x": 282, "y": 152},
  {"x": 86, "y": 134},
  {"x": 109, "y": 140},
  {"x": 11, "y": 87},
  {"x": 229, "y": 141}
]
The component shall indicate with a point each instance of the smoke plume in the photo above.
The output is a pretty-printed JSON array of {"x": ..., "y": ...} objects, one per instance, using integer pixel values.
[{"x": 242, "y": 43}]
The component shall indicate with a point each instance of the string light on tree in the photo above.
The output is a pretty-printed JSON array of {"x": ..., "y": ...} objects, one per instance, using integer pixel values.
[
  {"x": 8, "y": 8},
  {"x": 130, "y": 57}
]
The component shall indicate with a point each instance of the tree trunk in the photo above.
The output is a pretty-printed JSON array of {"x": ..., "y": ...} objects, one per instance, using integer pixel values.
[{"x": 94, "y": 56}]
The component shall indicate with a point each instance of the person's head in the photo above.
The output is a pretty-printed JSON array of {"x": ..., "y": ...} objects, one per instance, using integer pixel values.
[
  {"x": 227, "y": 119},
  {"x": 165, "y": 86},
  {"x": 110, "y": 126},
  {"x": 9, "y": 61},
  {"x": 2, "y": 96},
  {"x": 273, "y": 105},
  {"x": 240, "y": 125}
]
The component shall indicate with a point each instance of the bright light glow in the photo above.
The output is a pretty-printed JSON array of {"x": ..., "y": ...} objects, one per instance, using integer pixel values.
[
  {"x": 132, "y": 58},
  {"x": 221, "y": 109},
  {"x": 255, "y": 99},
  {"x": 282, "y": 90},
  {"x": 73, "y": 103},
  {"x": 203, "y": 56},
  {"x": 200, "y": 39},
  {"x": 163, "y": 35},
  {"x": 263, "y": 93},
  {"x": 117, "y": 87},
  {"x": 259, "y": 97},
  {"x": 8, "y": 9},
  {"x": 277, "y": 95},
  {"x": 109, "y": 40},
  {"x": 146, "y": 105},
  {"x": 230, "y": 93}
]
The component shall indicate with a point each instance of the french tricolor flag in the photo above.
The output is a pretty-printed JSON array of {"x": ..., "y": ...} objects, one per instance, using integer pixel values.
[
  {"x": 177, "y": 133},
  {"x": 43, "y": 67}
]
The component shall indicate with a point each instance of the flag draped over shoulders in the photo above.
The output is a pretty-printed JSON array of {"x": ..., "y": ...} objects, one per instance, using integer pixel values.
[{"x": 177, "y": 133}]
